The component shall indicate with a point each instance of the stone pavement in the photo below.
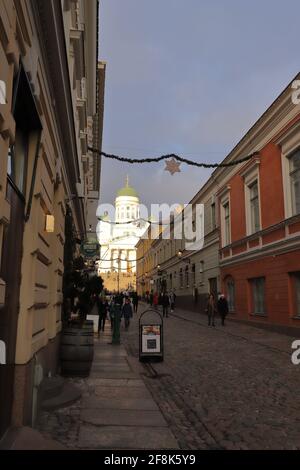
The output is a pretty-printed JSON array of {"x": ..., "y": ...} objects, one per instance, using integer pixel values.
[
  {"x": 231, "y": 387},
  {"x": 116, "y": 410}
]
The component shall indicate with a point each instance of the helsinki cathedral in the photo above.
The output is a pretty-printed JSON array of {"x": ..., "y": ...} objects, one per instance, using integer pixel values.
[{"x": 118, "y": 235}]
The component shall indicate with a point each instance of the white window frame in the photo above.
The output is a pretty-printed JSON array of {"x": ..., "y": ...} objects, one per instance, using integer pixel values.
[
  {"x": 251, "y": 175},
  {"x": 253, "y": 286},
  {"x": 224, "y": 202},
  {"x": 213, "y": 215},
  {"x": 289, "y": 143}
]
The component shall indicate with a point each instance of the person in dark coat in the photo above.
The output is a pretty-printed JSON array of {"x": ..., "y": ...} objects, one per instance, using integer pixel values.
[
  {"x": 222, "y": 308},
  {"x": 135, "y": 302},
  {"x": 165, "y": 301},
  {"x": 102, "y": 312},
  {"x": 127, "y": 312}
]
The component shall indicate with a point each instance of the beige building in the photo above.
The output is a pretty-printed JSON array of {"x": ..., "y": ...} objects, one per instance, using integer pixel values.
[
  {"x": 164, "y": 264},
  {"x": 53, "y": 110}
]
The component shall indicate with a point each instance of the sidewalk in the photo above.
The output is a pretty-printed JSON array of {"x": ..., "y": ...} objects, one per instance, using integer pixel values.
[
  {"x": 120, "y": 413},
  {"x": 117, "y": 411}
]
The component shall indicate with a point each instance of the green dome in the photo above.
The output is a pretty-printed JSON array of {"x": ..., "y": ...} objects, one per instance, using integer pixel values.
[{"x": 127, "y": 191}]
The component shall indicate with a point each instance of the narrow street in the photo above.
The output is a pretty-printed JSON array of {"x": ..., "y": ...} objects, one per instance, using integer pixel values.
[{"x": 231, "y": 387}]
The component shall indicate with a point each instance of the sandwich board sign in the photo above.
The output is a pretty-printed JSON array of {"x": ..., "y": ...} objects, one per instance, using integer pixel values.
[{"x": 151, "y": 337}]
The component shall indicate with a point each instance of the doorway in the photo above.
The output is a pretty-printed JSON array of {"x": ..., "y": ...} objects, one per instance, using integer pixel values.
[{"x": 11, "y": 273}]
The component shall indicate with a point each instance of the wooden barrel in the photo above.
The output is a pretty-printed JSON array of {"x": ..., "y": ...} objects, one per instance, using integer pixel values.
[{"x": 77, "y": 351}]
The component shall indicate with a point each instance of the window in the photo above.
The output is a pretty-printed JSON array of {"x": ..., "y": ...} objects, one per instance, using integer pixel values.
[
  {"x": 201, "y": 271},
  {"x": 28, "y": 128},
  {"x": 213, "y": 216},
  {"x": 226, "y": 211},
  {"x": 230, "y": 287},
  {"x": 258, "y": 295},
  {"x": 295, "y": 181},
  {"x": 295, "y": 277},
  {"x": 254, "y": 207},
  {"x": 181, "y": 277},
  {"x": 187, "y": 276},
  {"x": 193, "y": 275}
]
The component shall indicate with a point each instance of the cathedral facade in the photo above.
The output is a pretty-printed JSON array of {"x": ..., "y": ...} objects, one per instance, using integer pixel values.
[{"x": 118, "y": 236}]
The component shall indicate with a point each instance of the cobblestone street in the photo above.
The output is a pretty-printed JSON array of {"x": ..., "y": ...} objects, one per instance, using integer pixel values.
[{"x": 231, "y": 387}]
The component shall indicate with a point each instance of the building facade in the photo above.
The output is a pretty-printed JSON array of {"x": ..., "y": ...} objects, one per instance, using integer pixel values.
[
  {"x": 251, "y": 249},
  {"x": 259, "y": 207},
  {"x": 118, "y": 235},
  {"x": 166, "y": 264},
  {"x": 48, "y": 62}
]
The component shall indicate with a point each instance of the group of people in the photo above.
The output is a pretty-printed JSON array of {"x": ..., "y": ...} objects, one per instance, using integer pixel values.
[
  {"x": 165, "y": 299},
  {"x": 213, "y": 307},
  {"x": 126, "y": 308},
  {"x": 118, "y": 303}
]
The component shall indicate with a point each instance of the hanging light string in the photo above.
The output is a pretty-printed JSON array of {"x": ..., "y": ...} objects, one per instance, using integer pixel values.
[
  {"x": 133, "y": 221},
  {"x": 171, "y": 155}
]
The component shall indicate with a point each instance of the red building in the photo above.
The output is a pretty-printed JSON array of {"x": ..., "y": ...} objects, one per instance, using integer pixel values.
[{"x": 259, "y": 210}]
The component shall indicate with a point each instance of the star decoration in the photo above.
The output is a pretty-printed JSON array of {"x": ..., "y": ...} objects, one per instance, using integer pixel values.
[{"x": 172, "y": 166}]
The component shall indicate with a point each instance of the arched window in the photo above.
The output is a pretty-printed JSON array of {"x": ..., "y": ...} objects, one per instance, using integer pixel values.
[{"x": 230, "y": 290}]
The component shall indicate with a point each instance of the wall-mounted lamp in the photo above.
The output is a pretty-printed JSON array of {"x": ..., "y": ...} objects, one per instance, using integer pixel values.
[
  {"x": 49, "y": 225},
  {"x": 186, "y": 260}
]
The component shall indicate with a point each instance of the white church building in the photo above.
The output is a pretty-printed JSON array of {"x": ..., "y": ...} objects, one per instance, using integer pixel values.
[{"x": 118, "y": 237}]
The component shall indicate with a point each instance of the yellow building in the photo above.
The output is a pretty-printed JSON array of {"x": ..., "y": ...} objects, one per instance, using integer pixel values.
[{"x": 51, "y": 109}]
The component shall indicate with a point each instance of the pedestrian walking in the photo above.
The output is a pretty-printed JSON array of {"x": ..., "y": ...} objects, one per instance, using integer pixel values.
[
  {"x": 211, "y": 309},
  {"x": 222, "y": 308},
  {"x": 151, "y": 298},
  {"x": 155, "y": 300},
  {"x": 172, "y": 299},
  {"x": 102, "y": 312},
  {"x": 165, "y": 301},
  {"x": 135, "y": 302},
  {"x": 127, "y": 312}
]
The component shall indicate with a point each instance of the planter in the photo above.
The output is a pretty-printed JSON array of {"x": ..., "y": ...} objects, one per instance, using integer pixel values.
[{"x": 77, "y": 350}]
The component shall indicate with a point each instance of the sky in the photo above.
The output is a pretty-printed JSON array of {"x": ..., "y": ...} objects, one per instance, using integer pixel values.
[{"x": 189, "y": 77}]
